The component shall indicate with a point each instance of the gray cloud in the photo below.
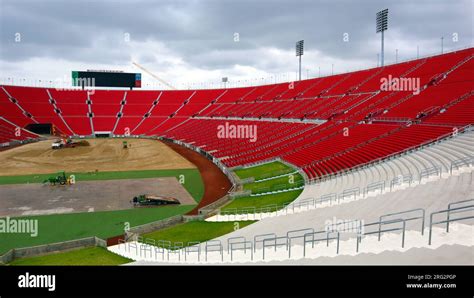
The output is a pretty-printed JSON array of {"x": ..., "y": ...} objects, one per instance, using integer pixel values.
[{"x": 201, "y": 33}]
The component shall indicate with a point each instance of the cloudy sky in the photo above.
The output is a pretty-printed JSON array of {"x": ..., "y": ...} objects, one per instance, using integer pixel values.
[{"x": 193, "y": 43}]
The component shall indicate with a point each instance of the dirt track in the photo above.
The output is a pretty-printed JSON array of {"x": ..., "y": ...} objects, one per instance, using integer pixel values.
[
  {"x": 102, "y": 155},
  {"x": 216, "y": 183}
]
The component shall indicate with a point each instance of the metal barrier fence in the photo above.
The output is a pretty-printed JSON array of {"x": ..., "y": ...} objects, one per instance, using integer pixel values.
[
  {"x": 387, "y": 223},
  {"x": 328, "y": 238},
  {"x": 380, "y": 185},
  {"x": 451, "y": 205},
  {"x": 193, "y": 246},
  {"x": 214, "y": 245},
  {"x": 401, "y": 214},
  {"x": 261, "y": 238},
  {"x": 296, "y": 234},
  {"x": 244, "y": 246},
  {"x": 348, "y": 193},
  {"x": 428, "y": 172},
  {"x": 380, "y": 230},
  {"x": 448, "y": 213},
  {"x": 274, "y": 242},
  {"x": 465, "y": 161},
  {"x": 401, "y": 179},
  {"x": 232, "y": 240}
]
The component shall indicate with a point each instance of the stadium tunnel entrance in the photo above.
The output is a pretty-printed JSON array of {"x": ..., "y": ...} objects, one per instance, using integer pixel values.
[
  {"x": 41, "y": 128},
  {"x": 103, "y": 134}
]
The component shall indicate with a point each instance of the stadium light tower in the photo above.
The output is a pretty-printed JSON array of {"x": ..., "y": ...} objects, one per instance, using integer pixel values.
[
  {"x": 225, "y": 80},
  {"x": 382, "y": 25},
  {"x": 299, "y": 53}
]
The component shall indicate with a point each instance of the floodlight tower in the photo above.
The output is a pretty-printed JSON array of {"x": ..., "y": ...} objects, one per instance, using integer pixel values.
[
  {"x": 299, "y": 53},
  {"x": 225, "y": 80},
  {"x": 382, "y": 25}
]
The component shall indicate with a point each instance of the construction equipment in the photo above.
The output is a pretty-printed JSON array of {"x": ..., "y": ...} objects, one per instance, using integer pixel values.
[
  {"x": 68, "y": 143},
  {"x": 63, "y": 143},
  {"x": 60, "y": 178},
  {"x": 151, "y": 200},
  {"x": 155, "y": 76},
  {"x": 58, "y": 144}
]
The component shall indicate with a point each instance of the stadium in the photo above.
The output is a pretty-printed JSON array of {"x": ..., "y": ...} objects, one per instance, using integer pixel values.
[{"x": 371, "y": 166}]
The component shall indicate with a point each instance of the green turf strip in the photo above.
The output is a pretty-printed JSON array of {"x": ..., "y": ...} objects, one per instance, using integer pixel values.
[
  {"x": 285, "y": 182},
  {"x": 261, "y": 201},
  {"x": 103, "y": 224},
  {"x": 89, "y": 256},
  {"x": 268, "y": 170},
  {"x": 200, "y": 231},
  {"x": 192, "y": 178},
  {"x": 264, "y": 171}
]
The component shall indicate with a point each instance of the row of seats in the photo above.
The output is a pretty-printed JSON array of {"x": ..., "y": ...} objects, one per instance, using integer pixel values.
[
  {"x": 351, "y": 112},
  {"x": 10, "y": 132}
]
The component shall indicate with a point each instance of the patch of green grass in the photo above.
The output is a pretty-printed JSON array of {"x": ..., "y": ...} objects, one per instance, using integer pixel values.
[
  {"x": 103, "y": 224},
  {"x": 261, "y": 201},
  {"x": 285, "y": 182},
  {"x": 264, "y": 171},
  {"x": 199, "y": 231},
  {"x": 268, "y": 170},
  {"x": 192, "y": 178},
  {"x": 89, "y": 256}
]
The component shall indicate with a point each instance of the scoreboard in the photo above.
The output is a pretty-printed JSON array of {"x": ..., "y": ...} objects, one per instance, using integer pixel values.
[{"x": 106, "y": 79}]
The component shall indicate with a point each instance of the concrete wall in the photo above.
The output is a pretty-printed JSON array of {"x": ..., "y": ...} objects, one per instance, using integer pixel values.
[
  {"x": 51, "y": 248},
  {"x": 156, "y": 225},
  {"x": 213, "y": 208}
]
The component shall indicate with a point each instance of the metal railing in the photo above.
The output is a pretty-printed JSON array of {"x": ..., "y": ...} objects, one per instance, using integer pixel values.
[
  {"x": 274, "y": 242},
  {"x": 401, "y": 179},
  {"x": 241, "y": 245},
  {"x": 193, "y": 246},
  {"x": 214, "y": 245},
  {"x": 380, "y": 229},
  {"x": 386, "y": 223},
  {"x": 261, "y": 238},
  {"x": 296, "y": 234},
  {"x": 450, "y": 206},
  {"x": 448, "y": 219},
  {"x": 380, "y": 185},
  {"x": 348, "y": 193},
  {"x": 401, "y": 214},
  {"x": 232, "y": 240},
  {"x": 431, "y": 171},
  {"x": 456, "y": 164},
  {"x": 313, "y": 240}
]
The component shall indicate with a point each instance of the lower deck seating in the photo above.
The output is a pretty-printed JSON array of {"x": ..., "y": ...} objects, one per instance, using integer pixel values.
[
  {"x": 10, "y": 132},
  {"x": 324, "y": 125}
]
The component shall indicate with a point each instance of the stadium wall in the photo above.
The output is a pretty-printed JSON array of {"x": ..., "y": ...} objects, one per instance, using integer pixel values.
[{"x": 49, "y": 248}]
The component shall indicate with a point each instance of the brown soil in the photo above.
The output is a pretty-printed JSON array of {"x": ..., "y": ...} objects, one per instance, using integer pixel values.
[
  {"x": 102, "y": 155},
  {"x": 216, "y": 183}
]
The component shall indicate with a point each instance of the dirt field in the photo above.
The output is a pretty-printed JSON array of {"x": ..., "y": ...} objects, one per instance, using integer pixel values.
[
  {"x": 87, "y": 196},
  {"x": 102, "y": 155}
]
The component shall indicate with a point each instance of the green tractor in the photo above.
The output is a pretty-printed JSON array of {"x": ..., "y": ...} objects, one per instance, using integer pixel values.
[{"x": 60, "y": 178}]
